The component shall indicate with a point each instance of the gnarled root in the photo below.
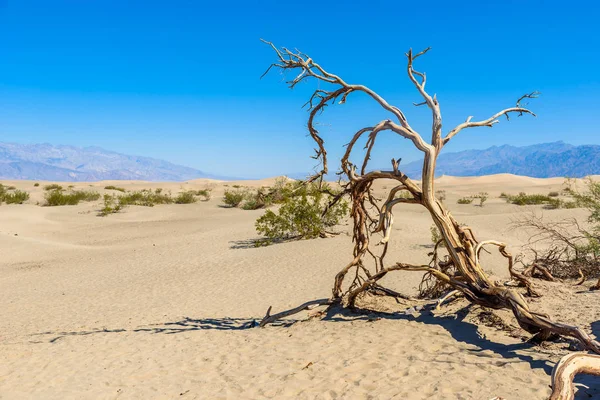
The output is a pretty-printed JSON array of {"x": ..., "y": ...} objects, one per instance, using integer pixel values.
[
  {"x": 268, "y": 318},
  {"x": 566, "y": 369},
  {"x": 596, "y": 286},
  {"x": 535, "y": 267}
]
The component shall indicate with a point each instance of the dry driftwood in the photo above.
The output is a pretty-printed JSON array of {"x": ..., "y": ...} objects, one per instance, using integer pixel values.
[
  {"x": 566, "y": 369},
  {"x": 461, "y": 270}
]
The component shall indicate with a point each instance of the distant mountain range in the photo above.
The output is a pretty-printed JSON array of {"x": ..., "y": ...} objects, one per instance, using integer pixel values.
[
  {"x": 69, "y": 163},
  {"x": 544, "y": 160}
]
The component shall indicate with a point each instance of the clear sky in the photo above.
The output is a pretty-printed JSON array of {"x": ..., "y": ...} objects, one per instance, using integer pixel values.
[{"x": 179, "y": 80}]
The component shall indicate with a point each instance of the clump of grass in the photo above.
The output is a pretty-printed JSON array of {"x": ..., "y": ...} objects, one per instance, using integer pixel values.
[
  {"x": 185, "y": 198},
  {"x": 112, "y": 187},
  {"x": 36, "y": 184},
  {"x": 53, "y": 186},
  {"x": 465, "y": 200},
  {"x": 59, "y": 198},
  {"x": 553, "y": 194},
  {"x": 17, "y": 197},
  {"x": 503, "y": 195}
]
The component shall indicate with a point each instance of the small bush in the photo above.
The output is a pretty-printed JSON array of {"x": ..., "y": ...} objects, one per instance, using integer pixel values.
[
  {"x": 233, "y": 198},
  {"x": 11, "y": 188},
  {"x": 36, "y": 184},
  {"x": 53, "y": 186},
  {"x": 18, "y": 197},
  {"x": 435, "y": 234},
  {"x": 145, "y": 197},
  {"x": 185, "y": 198},
  {"x": 112, "y": 205},
  {"x": 441, "y": 195},
  {"x": 59, "y": 198},
  {"x": 524, "y": 199},
  {"x": 503, "y": 195},
  {"x": 112, "y": 187},
  {"x": 465, "y": 200},
  {"x": 482, "y": 196},
  {"x": 300, "y": 217},
  {"x": 553, "y": 194},
  {"x": 206, "y": 193}
]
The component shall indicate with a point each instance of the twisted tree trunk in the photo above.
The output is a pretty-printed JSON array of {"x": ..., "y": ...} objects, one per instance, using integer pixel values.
[{"x": 462, "y": 270}]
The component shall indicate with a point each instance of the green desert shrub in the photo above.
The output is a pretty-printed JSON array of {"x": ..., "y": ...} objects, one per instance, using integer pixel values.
[
  {"x": 112, "y": 205},
  {"x": 36, "y": 184},
  {"x": 553, "y": 194},
  {"x": 465, "y": 200},
  {"x": 10, "y": 187},
  {"x": 482, "y": 196},
  {"x": 59, "y": 198},
  {"x": 301, "y": 217},
  {"x": 17, "y": 197},
  {"x": 112, "y": 187},
  {"x": 185, "y": 198},
  {"x": 145, "y": 197},
  {"x": 524, "y": 199},
  {"x": 436, "y": 236},
  {"x": 233, "y": 198},
  {"x": 53, "y": 186},
  {"x": 205, "y": 193}
]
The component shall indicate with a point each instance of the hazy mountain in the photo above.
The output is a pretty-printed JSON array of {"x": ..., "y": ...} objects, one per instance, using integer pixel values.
[
  {"x": 545, "y": 160},
  {"x": 69, "y": 163}
]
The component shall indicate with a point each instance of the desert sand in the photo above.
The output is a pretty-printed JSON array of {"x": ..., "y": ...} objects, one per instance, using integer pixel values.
[{"x": 159, "y": 303}]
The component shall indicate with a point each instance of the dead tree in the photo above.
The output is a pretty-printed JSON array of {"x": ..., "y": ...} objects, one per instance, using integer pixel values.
[{"x": 461, "y": 270}]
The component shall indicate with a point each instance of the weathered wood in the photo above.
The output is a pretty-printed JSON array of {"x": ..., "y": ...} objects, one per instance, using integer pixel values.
[{"x": 565, "y": 370}]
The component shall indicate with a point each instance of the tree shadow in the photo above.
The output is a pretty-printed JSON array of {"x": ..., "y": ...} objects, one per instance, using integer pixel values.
[
  {"x": 596, "y": 329},
  {"x": 456, "y": 326},
  {"x": 185, "y": 325}
]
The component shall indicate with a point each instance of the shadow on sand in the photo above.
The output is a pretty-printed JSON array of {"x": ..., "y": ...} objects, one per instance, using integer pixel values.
[{"x": 456, "y": 326}]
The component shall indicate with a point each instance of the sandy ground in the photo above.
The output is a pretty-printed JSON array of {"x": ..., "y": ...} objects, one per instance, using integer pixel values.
[{"x": 156, "y": 303}]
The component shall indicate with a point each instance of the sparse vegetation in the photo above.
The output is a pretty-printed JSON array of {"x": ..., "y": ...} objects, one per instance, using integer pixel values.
[
  {"x": 233, "y": 198},
  {"x": 112, "y": 187},
  {"x": 553, "y": 194},
  {"x": 465, "y": 200},
  {"x": 482, "y": 196},
  {"x": 440, "y": 195},
  {"x": 205, "y": 193},
  {"x": 53, "y": 186},
  {"x": 112, "y": 205},
  {"x": 58, "y": 197},
  {"x": 185, "y": 198},
  {"x": 36, "y": 184},
  {"x": 436, "y": 236},
  {"x": 301, "y": 217},
  {"x": 17, "y": 197},
  {"x": 145, "y": 197}
]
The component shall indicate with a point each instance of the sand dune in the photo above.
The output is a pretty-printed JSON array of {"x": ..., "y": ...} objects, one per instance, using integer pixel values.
[{"x": 156, "y": 303}]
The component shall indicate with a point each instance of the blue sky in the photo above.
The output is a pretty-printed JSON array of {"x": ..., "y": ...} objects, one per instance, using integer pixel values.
[{"x": 179, "y": 80}]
